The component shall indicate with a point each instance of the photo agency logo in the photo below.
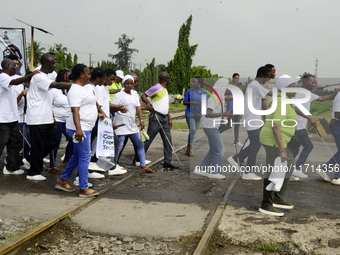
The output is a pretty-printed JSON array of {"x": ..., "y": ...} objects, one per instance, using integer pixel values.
[{"x": 240, "y": 100}]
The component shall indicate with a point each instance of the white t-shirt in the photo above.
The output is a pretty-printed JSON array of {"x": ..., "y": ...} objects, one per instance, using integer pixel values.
[
  {"x": 302, "y": 122},
  {"x": 258, "y": 92},
  {"x": 8, "y": 100},
  {"x": 79, "y": 96},
  {"x": 159, "y": 98},
  {"x": 39, "y": 102},
  {"x": 130, "y": 102},
  {"x": 336, "y": 105},
  {"x": 103, "y": 98},
  {"x": 212, "y": 122},
  {"x": 21, "y": 104},
  {"x": 60, "y": 107}
]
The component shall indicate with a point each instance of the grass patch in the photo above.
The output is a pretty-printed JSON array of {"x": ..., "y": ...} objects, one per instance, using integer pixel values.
[
  {"x": 176, "y": 106},
  {"x": 179, "y": 125},
  {"x": 269, "y": 246},
  {"x": 321, "y": 109}
]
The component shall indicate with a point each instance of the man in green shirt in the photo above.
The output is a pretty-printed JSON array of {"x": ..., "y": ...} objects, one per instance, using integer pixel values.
[{"x": 117, "y": 85}]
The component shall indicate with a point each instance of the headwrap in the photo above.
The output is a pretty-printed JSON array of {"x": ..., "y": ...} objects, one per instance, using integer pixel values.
[
  {"x": 285, "y": 80},
  {"x": 127, "y": 77}
]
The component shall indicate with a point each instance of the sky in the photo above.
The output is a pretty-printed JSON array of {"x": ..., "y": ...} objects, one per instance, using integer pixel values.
[{"x": 232, "y": 35}]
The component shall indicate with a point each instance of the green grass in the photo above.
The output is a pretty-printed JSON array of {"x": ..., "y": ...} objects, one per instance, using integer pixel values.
[
  {"x": 176, "y": 106},
  {"x": 321, "y": 109},
  {"x": 269, "y": 246},
  {"x": 179, "y": 125}
]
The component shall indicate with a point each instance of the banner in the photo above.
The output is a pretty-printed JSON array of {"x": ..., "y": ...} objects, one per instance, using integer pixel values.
[
  {"x": 13, "y": 42},
  {"x": 105, "y": 139}
]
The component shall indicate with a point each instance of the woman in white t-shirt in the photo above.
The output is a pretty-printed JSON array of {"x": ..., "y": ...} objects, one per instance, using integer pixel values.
[
  {"x": 130, "y": 99},
  {"x": 61, "y": 110},
  {"x": 79, "y": 126}
]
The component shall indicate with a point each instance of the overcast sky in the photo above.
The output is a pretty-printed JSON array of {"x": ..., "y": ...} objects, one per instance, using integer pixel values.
[{"x": 232, "y": 35}]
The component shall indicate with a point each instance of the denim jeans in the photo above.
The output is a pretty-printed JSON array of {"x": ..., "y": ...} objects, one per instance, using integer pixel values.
[
  {"x": 81, "y": 159},
  {"x": 252, "y": 149},
  {"x": 307, "y": 145},
  {"x": 26, "y": 132},
  {"x": 135, "y": 138},
  {"x": 61, "y": 129},
  {"x": 335, "y": 129},
  {"x": 216, "y": 149},
  {"x": 193, "y": 125}
]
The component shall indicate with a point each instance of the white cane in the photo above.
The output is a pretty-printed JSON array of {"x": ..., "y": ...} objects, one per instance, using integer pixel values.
[{"x": 168, "y": 139}]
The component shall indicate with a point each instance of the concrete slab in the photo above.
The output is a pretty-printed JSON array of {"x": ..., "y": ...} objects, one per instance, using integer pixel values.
[{"x": 134, "y": 218}]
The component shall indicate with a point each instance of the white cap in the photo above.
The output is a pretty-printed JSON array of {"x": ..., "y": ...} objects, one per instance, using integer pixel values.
[
  {"x": 285, "y": 80},
  {"x": 120, "y": 74}
]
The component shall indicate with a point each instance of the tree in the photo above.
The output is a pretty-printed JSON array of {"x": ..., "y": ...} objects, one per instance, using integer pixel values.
[
  {"x": 75, "y": 59},
  {"x": 123, "y": 58},
  {"x": 38, "y": 51},
  {"x": 179, "y": 67}
]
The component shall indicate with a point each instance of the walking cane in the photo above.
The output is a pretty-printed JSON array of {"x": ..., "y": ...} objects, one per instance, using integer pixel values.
[
  {"x": 332, "y": 155},
  {"x": 168, "y": 140}
]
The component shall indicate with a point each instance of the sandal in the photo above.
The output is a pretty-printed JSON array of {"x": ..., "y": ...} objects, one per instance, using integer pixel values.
[
  {"x": 54, "y": 170},
  {"x": 146, "y": 170},
  {"x": 63, "y": 185},
  {"x": 88, "y": 193}
]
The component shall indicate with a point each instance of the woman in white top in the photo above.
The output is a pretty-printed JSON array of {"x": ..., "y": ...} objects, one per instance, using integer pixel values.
[
  {"x": 129, "y": 98},
  {"x": 61, "y": 111},
  {"x": 79, "y": 126}
]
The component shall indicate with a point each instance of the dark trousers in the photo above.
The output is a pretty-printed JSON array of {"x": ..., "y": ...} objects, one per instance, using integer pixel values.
[
  {"x": 44, "y": 139},
  {"x": 270, "y": 197},
  {"x": 10, "y": 137},
  {"x": 236, "y": 118},
  {"x": 252, "y": 149},
  {"x": 153, "y": 129},
  {"x": 93, "y": 137},
  {"x": 26, "y": 132}
]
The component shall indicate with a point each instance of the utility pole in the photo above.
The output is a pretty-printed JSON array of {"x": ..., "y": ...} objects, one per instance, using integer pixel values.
[
  {"x": 316, "y": 68},
  {"x": 90, "y": 54}
]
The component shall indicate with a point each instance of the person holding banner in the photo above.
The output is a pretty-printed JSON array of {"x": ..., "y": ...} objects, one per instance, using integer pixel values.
[
  {"x": 79, "y": 126},
  {"x": 129, "y": 98}
]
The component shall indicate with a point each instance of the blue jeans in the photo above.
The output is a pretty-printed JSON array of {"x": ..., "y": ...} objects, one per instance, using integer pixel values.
[
  {"x": 61, "y": 129},
  {"x": 335, "y": 129},
  {"x": 193, "y": 125},
  {"x": 26, "y": 132},
  {"x": 81, "y": 159},
  {"x": 252, "y": 149},
  {"x": 135, "y": 138},
  {"x": 216, "y": 149},
  {"x": 307, "y": 145}
]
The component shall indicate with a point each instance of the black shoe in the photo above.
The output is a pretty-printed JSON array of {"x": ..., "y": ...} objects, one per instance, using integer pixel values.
[{"x": 169, "y": 165}]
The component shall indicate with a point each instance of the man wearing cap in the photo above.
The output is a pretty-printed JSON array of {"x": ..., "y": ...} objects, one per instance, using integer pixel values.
[
  {"x": 301, "y": 132},
  {"x": 117, "y": 85}
]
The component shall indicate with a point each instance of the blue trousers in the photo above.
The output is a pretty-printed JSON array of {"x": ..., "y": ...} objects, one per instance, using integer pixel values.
[
  {"x": 81, "y": 159},
  {"x": 135, "y": 138},
  {"x": 307, "y": 145},
  {"x": 335, "y": 129},
  {"x": 193, "y": 125}
]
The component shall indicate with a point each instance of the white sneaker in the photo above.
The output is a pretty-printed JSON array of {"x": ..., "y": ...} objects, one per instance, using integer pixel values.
[
  {"x": 251, "y": 177},
  {"x": 26, "y": 163},
  {"x": 46, "y": 161},
  {"x": 239, "y": 144},
  {"x": 95, "y": 175},
  {"x": 76, "y": 182},
  {"x": 300, "y": 174},
  {"x": 117, "y": 171},
  {"x": 216, "y": 176},
  {"x": 147, "y": 162},
  {"x": 62, "y": 159},
  {"x": 294, "y": 178},
  {"x": 119, "y": 167},
  {"x": 202, "y": 173},
  {"x": 323, "y": 175},
  {"x": 17, "y": 172},
  {"x": 24, "y": 167},
  {"x": 336, "y": 181},
  {"x": 94, "y": 167},
  {"x": 234, "y": 163},
  {"x": 37, "y": 177}
]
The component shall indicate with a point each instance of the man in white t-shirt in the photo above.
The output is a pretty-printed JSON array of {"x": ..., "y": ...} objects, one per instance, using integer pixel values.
[
  {"x": 9, "y": 127},
  {"x": 252, "y": 123},
  {"x": 159, "y": 120},
  {"x": 40, "y": 116},
  {"x": 301, "y": 132}
]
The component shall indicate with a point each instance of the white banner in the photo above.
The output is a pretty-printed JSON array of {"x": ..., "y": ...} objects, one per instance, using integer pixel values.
[
  {"x": 105, "y": 139},
  {"x": 12, "y": 42}
]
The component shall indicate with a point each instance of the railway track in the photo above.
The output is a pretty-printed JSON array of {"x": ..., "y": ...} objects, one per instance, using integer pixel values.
[{"x": 201, "y": 248}]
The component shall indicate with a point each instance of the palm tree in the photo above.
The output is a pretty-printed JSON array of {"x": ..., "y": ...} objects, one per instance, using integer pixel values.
[{"x": 37, "y": 52}]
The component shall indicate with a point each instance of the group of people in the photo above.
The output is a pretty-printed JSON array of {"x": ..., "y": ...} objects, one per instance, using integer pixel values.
[
  {"x": 281, "y": 135},
  {"x": 38, "y": 108}
]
